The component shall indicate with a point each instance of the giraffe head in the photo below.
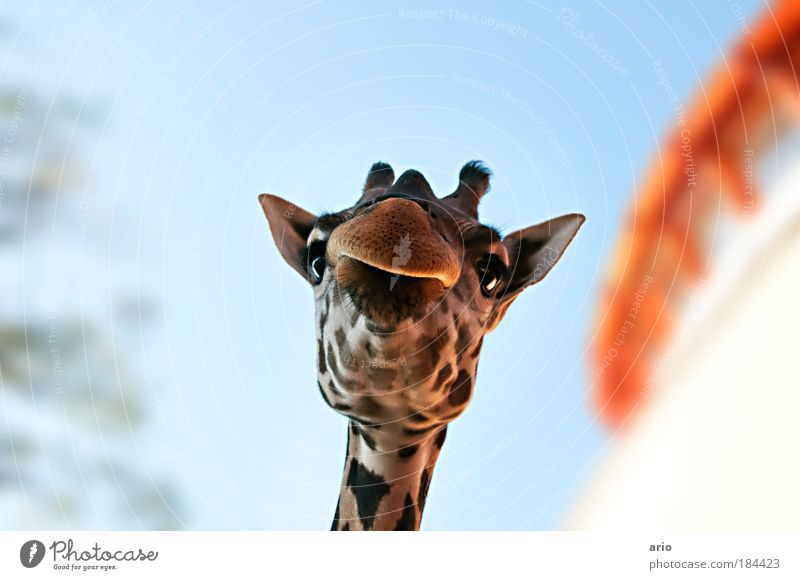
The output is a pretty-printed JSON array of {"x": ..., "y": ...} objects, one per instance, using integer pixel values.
[{"x": 406, "y": 285}]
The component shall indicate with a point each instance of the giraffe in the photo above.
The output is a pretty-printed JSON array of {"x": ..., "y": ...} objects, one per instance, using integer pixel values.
[{"x": 406, "y": 285}]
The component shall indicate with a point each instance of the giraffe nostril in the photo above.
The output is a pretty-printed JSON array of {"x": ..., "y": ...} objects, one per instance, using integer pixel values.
[{"x": 387, "y": 196}]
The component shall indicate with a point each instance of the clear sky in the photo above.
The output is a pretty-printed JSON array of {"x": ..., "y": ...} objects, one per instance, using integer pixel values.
[{"x": 201, "y": 107}]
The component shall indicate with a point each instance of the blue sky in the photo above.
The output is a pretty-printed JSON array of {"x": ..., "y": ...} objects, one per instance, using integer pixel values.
[{"x": 200, "y": 108}]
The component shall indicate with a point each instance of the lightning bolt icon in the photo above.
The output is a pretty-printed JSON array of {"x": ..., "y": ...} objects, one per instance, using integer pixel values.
[{"x": 402, "y": 254}]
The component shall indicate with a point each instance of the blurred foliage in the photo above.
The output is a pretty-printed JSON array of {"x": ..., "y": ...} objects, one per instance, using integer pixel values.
[{"x": 77, "y": 443}]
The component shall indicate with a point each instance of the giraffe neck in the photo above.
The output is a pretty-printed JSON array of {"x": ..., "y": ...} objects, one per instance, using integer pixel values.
[{"x": 384, "y": 486}]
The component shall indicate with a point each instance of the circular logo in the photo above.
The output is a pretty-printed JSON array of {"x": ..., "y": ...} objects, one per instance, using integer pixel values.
[{"x": 31, "y": 553}]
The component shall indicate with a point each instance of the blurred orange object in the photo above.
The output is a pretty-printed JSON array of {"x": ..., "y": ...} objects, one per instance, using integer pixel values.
[{"x": 702, "y": 170}]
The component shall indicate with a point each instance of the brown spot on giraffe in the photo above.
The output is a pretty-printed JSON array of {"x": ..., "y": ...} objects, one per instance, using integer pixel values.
[
  {"x": 460, "y": 389},
  {"x": 444, "y": 377}
]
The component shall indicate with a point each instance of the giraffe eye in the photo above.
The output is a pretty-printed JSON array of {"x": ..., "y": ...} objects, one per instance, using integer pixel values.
[
  {"x": 491, "y": 272},
  {"x": 318, "y": 268},
  {"x": 315, "y": 261}
]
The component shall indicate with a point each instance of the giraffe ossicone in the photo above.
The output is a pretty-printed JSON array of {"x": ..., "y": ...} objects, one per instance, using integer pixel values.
[{"x": 406, "y": 284}]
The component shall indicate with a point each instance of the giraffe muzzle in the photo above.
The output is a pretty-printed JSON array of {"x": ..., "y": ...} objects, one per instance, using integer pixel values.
[
  {"x": 396, "y": 236},
  {"x": 392, "y": 262}
]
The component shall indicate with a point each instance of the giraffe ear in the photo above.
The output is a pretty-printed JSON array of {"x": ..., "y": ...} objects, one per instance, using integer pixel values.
[
  {"x": 532, "y": 253},
  {"x": 290, "y": 226}
]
